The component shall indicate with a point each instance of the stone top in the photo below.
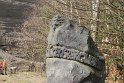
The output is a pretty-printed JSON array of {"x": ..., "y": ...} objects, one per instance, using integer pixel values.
[{"x": 68, "y": 33}]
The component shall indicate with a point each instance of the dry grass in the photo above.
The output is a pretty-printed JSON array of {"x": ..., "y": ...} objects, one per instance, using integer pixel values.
[{"x": 23, "y": 77}]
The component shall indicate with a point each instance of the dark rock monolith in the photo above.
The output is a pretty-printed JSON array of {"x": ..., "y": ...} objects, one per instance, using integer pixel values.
[{"x": 72, "y": 56}]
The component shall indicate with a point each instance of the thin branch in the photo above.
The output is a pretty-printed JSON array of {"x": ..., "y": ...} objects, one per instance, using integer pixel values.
[
  {"x": 113, "y": 6},
  {"x": 110, "y": 44},
  {"x": 74, "y": 7}
]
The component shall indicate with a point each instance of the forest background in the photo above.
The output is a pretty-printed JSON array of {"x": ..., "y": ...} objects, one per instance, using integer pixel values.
[{"x": 104, "y": 18}]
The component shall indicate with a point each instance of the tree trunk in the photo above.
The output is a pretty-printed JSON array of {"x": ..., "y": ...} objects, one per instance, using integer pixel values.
[{"x": 95, "y": 6}]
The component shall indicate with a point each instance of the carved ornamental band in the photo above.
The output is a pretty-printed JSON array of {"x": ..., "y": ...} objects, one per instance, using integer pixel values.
[{"x": 72, "y": 54}]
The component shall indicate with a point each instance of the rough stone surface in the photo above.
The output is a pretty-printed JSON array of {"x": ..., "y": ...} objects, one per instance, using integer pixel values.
[
  {"x": 65, "y": 71},
  {"x": 67, "y": 33}
]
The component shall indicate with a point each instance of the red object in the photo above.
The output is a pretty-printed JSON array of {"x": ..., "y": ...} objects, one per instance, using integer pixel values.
[{"x": 1, "y": 65}]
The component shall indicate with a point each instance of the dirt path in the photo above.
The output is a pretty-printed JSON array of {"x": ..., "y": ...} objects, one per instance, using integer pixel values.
[{"x": 23, "y": 77}]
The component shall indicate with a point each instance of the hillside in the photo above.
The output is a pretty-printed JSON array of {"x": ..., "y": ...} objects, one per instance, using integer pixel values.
[{"x": 15, "y": 36}]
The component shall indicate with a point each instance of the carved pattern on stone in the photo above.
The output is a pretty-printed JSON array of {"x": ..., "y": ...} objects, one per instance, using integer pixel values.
[{"x": 72, "y": 54}]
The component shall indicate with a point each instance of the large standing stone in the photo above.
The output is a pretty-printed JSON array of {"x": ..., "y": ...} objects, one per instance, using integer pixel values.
[{"x": 72, "y": 56}]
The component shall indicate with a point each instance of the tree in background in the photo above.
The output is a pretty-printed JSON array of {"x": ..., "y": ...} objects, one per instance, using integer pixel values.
[{"x": 105, "y": 19}]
